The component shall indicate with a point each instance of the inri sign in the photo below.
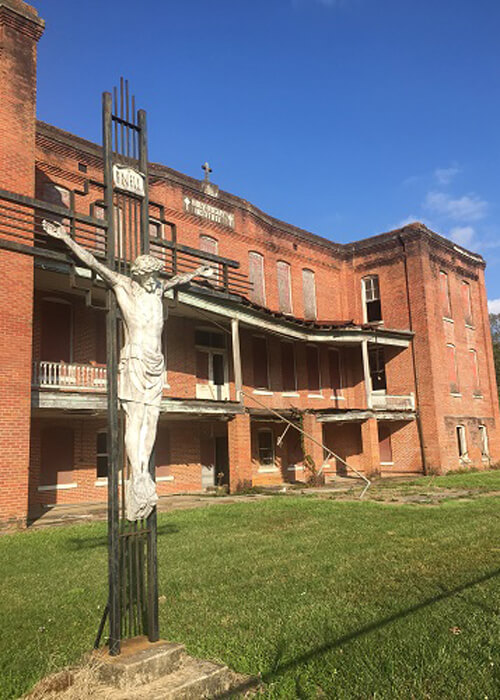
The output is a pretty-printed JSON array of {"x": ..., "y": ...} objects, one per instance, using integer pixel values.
[{"x": 128, "y": 179}]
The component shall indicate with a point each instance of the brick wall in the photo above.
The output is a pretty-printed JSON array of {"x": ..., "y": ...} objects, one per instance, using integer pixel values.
[{"x": 20, "y": 29}]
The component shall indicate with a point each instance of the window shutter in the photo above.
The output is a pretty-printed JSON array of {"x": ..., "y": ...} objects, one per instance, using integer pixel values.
[
  {"x": 452, "y": 367},
  {"x": 384, "y": 441}
]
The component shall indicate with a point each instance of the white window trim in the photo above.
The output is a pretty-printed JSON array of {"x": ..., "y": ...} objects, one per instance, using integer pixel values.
[
  {"x": 460, "y": 429},
  {"x": 485, "y": 456},
  {"x": 170, "y": 477}
]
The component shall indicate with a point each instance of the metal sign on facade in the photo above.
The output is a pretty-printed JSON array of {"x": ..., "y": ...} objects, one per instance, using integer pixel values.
[{"x": 207, "y": 211}]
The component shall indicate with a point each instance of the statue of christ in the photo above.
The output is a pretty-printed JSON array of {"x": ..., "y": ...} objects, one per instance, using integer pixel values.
[{"x": 141, "y": 367}]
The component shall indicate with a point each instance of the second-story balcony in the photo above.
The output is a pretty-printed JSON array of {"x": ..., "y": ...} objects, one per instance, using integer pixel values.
[{"x": 69, "y": 376}]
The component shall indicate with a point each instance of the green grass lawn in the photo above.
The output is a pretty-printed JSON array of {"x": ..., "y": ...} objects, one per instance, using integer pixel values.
[{"x": 322, "y": 598}]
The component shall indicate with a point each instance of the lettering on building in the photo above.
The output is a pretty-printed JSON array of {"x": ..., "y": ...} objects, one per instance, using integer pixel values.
[
  {"x": 207, "y": 211},
  {"x": 128, "y": 179}
]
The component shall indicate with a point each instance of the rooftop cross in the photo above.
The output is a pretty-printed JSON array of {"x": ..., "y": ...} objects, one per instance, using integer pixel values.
[{"x": 206, "y": 167}]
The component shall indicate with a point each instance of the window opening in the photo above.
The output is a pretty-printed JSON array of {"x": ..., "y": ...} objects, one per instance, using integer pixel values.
[
  {"x": 102, "y": 454},
  {"x": 376, "y": 358},
  {"x": 335, "y": 372},
  {"x": 266, "y": 447},
  {"x": 371, "y": 291},
  {"x": 288, "y": 375},
  {"x": 452, "y": 368},
  {"x": 461, "y": 441},
  {"x": 260, "y": 363},
  {"x": 467, "y": 303},
  {"x": 313, "y": 374},
  {"x": 483, "y": 435},
  {"x": 445, "y": 294}
]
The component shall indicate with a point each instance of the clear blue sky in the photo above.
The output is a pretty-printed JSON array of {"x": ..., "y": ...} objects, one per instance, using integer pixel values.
[{"x": 345, "y": 117}]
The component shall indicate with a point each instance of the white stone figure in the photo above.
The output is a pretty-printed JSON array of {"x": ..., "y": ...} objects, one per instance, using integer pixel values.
[{"x": 141, "y": 369}]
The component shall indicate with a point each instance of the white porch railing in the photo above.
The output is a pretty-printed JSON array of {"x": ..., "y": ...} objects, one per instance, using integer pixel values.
[
  {"x": 392, "y": 402},
  {"x": 65, "y": 375}
]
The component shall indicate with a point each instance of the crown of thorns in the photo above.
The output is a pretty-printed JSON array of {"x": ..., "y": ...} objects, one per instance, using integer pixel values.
[{"x": 145, "y": 265}]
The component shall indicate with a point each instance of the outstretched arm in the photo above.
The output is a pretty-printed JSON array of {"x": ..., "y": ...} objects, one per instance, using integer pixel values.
[
  {"x": 179, "y": 280},
  {"x": 57, "y": 230}
]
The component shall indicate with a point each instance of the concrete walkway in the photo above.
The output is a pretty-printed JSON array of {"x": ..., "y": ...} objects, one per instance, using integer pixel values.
[{"x": 90, "y": 512}]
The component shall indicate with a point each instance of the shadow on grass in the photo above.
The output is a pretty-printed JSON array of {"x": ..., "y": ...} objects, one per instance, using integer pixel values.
[
  {"x": 78, "y": 543},
  {"x": 277, "y": 669}
]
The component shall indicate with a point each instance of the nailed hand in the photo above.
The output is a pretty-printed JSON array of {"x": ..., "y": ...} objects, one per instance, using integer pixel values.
[{"x": 54, "y": 229}]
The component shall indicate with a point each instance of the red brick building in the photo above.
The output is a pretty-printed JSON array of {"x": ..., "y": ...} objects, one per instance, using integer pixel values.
[{"x": 379, "y": 349}]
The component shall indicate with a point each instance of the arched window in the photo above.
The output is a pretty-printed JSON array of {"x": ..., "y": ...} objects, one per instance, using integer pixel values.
[
  {"x": 309, "y": 291},
  {"x": 256, "y": 277},
  {"x": 284, "y": 287}
]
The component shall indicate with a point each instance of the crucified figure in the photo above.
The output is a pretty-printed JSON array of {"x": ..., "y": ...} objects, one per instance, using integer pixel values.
[{"x": 141, "y": 368}]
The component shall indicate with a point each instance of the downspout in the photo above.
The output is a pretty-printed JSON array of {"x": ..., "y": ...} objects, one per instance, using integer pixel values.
[{"x": 414, "y": 362}]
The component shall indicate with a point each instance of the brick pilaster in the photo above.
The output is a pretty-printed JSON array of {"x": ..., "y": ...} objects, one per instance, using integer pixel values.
[
  {"x": 20, "y": 29},
  {"x": 371, "y": 449},
  {"x": 240, "y": 457}
]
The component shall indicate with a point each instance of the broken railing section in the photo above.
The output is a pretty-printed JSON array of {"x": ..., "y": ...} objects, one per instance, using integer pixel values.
[{"x": 21, "y": 231}]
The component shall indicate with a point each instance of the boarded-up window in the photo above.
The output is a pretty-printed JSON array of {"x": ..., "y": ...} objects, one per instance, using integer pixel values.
[
  {"x": 284, "y": 287},
  {"x": 452, "y": 368},
  {"x": 102, "y": 454},
  {"x": 56, "y": 456},
  {"x": 260, "y": 363},
  {"x": 162, "y": 452},
  {"x": 309, "y": 291},
  {"x": 210, "y": 245},
  {"x": 474, "y": 370},
  {"x": 202, "y": 374},
  {"x": 467, "y": 303},
  {"x": 335, "y": 372},
  {"x": 371, "y": 294},
  {"x": 266, "y": 447},
  {"x": 155, "y": 229},
  {"x": 384, "y": 442},
  {"x": 445, "y": 294},
  {"x": 256, "y": 277},
  {"x": 56, "y": 331},
  {"x": 376, "y": 359},
  {"x": 313, "y": 376},
  {"x": 289, "y": 381}
]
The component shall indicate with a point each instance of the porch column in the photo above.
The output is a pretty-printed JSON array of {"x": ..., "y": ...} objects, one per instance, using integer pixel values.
[
  {"x": 371, "y": 449},
  {"x": 240, "y": 452},
  {"x": 235, "y": 336},
  {"x": 366, "y": 373},
  {"x": 313, "y": 429}
]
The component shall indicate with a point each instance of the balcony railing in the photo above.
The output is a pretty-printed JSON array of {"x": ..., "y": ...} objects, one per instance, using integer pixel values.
[
  {"x": 69, "y": 376},
  {"x": 391, "y": 402}
]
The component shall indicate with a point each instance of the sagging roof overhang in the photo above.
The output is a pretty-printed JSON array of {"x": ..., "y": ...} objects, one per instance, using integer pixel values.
[{"x": 253, "y": 316}]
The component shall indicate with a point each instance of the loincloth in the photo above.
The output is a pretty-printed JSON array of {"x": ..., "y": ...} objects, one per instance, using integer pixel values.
[{"x": 140, "y": 376}]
